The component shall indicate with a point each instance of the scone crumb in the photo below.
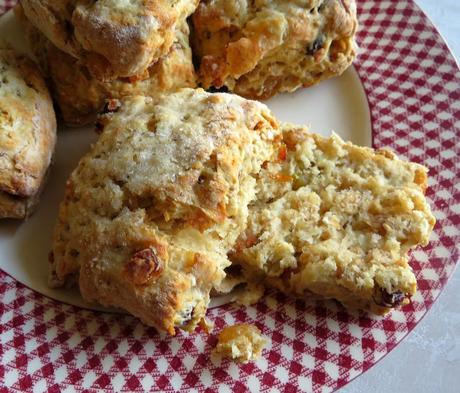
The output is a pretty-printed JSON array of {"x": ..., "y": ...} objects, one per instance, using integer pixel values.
[
  {"x": 242, "y": 342},
  {"x": 206, "y": 325}
]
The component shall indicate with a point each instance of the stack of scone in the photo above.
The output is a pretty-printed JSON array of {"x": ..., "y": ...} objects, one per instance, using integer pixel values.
[
  {"x": 189, "y": 193},
  {"x": 95, "y": 50}
]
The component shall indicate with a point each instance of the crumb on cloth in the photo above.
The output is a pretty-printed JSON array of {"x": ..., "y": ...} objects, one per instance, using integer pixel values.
[{"x": 241, "y": 342}]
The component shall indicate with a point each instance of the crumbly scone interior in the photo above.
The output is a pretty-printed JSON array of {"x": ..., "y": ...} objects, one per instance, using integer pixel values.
[
  {"x": 336, "y": 220},
  {"x": 152, "y": 210},
  {"x": 258, "y": 49}
]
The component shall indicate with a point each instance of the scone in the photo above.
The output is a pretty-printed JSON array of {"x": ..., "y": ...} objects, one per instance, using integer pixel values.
[
  {"x": 27, "y": 134},
  {"x": 113, "y": 38},
  {"x": 260, "y": 48},
  {"x": 336, "y": 220},
  {"x": 81, "y": 97},
  {"x": 152, "y": 210}
]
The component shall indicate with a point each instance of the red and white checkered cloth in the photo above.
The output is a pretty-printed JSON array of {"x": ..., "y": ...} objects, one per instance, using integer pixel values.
[
  {"x": 5, "y": 5},
  {"x": 413, "y": 87}
]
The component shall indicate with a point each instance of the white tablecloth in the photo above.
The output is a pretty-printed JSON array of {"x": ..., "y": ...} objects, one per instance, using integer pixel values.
[{"x": 428, "y": 360}]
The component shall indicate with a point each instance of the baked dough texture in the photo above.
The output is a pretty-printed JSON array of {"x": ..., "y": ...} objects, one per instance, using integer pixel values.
[
  {"x": 336, "y": 220},
  {"x": 184, "y": 188},
  {"x": 81, "y": 97},
  {"x": 152, "y": 210},
  {"x": 242, "y": 342},
  {"x": 27, "y": 134},
  {"x": 112, "y": 38},
  {"x": 260, "y": 48}
]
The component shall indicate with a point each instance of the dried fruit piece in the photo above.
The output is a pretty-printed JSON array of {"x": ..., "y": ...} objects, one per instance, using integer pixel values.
[
  {"x": 385, "y": 299},
  {"x": 111, "y": 105},
  {"x": 282, "y": 153},
  {"x": 316, "y": 45},
  {"x": 143, "y": 266}
]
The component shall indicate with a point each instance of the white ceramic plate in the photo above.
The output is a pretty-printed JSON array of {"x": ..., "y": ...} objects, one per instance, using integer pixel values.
[{"x": 338, "y": 104}]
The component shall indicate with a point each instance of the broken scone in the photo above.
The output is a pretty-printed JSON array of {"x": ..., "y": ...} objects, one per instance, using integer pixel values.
[
  {"x": 81, "y": 97},
  {"x": 336, "y": 220},
  {"x": 260, "y": 48},
  {"x": 27, "y": 134},
  {"x": 180, "y": 186},
  {"x": 113, "y": 38},
  {"x": 152, "y": 210},
  {"x": 242, "y": 342}
]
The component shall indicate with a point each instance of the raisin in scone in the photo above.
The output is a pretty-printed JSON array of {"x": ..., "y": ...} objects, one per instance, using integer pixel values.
[
  {"x": 152, "y": 210},
  {"x": 27, "y": 134},
  {"x": 336, "y": 220},
  {"x": 260, "y": 48},
  {"x": 113, "y": 38},
  {"x": 81, "y": 97}
]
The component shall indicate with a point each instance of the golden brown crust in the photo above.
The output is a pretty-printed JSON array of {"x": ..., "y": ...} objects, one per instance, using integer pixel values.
[
  {"x": 258, "y": 49},
  {"x": 28, "y": 133},
  {"x": 112, "y": 38},
  {"x": 336, "y": 220},
  {"x": 13, "y": 206},
  {"x": 81, "y": 97},
  {"x": 151, "y": 211}
]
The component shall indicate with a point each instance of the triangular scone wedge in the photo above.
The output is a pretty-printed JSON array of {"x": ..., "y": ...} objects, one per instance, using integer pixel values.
[
  {"x": 336, "y": 220},
  {"x": 152, "y": 210}
]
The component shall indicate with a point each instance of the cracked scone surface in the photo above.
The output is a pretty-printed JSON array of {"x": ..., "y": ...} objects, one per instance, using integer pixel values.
[
  {"x": 152, "y": 210},
  {"x": 241, "y": 342},
  {"x": 260, "y": 48},
  {"x": 81, "y": 97},
  {"x": 113, "y": 38},
  {"x": 336, "y": 220},
  {"x": 27, "y": 134}
]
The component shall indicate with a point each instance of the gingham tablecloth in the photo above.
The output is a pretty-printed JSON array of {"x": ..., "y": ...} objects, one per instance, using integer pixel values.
[
  {"x": 411, "y": 85},
  {"x": 5, "y": 5}
]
